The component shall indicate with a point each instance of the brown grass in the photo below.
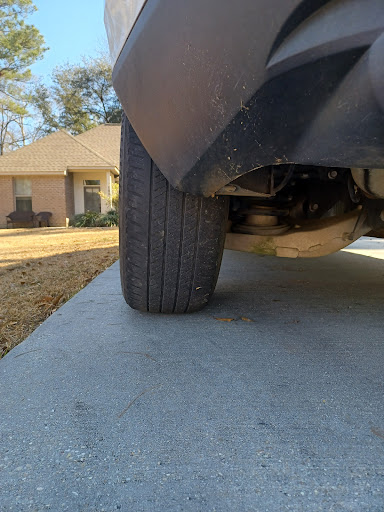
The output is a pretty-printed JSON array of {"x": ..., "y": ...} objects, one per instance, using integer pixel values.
[{"x": 40, "y": 269}]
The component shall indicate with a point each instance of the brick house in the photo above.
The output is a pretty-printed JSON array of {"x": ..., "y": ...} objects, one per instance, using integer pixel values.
[{"x": 61, "y": 174}]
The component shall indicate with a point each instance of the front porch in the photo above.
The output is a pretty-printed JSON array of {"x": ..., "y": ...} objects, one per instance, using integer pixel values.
[{"x": 87, "y": 186}]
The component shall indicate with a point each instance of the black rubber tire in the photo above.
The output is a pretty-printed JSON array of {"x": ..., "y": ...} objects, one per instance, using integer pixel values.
[{"x": 171, "y": 243}]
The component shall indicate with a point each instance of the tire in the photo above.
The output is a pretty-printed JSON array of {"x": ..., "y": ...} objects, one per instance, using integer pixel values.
[{"x": 171, "y": 243}]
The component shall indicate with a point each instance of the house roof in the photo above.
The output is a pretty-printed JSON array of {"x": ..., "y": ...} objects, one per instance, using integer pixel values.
[
  {"x": 105, "y": 140},
  {"x": 59, "y": 152}
]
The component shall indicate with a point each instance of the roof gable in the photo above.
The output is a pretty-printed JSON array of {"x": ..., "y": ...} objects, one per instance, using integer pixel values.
[{"x": 105, "y": 140}]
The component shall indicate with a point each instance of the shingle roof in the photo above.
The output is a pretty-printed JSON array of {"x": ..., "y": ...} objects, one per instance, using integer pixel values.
[
  {"x": 105, "y": 140},
  {"x": 60, "y": 151}
]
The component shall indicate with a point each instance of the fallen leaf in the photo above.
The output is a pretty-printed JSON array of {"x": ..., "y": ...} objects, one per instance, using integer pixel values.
[
  {"x": 46, "y": 298},
  {"x": 57, "y": 299},
  {"x": 245, "y": 319},
  {"x": 224, "y": 319}
]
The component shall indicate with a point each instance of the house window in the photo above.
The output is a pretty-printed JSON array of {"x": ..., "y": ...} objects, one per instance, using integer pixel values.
[
  {"x": 92, "y": 199},
  {"x": 91, "y": 182},
  {"x": 23, "y": 194}
]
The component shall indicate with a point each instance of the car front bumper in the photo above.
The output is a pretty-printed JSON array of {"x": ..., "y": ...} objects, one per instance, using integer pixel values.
[{"x": 217, "y": 89}]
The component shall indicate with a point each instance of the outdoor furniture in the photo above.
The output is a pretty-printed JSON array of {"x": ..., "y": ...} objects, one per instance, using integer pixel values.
[
  {"x": 21, "y": 218},
  {"x": 42, "y": 219}
]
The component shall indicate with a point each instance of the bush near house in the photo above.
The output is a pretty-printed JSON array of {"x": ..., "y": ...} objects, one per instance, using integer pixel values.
[
  {"x": 96, "y": 220},
  {"x": 113, "y": 197}
]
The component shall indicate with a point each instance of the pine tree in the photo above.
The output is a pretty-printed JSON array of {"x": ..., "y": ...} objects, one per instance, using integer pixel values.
[{"x": 20, "y": 46}]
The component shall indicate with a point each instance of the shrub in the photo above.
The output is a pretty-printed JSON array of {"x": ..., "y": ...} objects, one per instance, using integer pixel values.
[
  {"x": 113, "y": 198},
  {"x": 96, "y": 220},
  {"x": 85, "y": 220},
  {"x": 110, "y": 218}
]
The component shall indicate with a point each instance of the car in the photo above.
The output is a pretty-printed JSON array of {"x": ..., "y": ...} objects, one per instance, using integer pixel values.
[{"x": 252, "y": 125}]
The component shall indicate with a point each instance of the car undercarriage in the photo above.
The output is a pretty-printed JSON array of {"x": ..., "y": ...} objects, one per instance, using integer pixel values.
[{"x": 302, "y": 211}]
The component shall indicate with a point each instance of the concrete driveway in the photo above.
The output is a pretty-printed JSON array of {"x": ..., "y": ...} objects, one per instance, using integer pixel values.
[{"x": 104, "y": 408}]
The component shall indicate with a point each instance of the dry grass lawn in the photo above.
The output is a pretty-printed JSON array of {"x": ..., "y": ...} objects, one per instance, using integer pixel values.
[{"x": 40, "y": 269}]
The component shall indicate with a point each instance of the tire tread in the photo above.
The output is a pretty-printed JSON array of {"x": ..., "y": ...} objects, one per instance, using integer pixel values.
[{"x": 171, "y": 243}]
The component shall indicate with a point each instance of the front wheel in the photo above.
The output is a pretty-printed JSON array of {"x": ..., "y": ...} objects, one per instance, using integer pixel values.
[{"x": 171, "y": 243}]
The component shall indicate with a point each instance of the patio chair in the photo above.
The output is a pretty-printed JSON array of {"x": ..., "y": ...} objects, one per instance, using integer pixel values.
[{"x": 42, "y": 219}]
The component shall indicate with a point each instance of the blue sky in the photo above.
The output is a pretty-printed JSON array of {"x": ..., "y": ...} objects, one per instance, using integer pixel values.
[{"x": 71, "y": 28}]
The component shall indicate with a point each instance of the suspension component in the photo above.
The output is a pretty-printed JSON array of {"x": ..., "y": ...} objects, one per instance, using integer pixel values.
[
  {"x": 262, "y": 220},
  {"x": 371, "y": 182}
]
